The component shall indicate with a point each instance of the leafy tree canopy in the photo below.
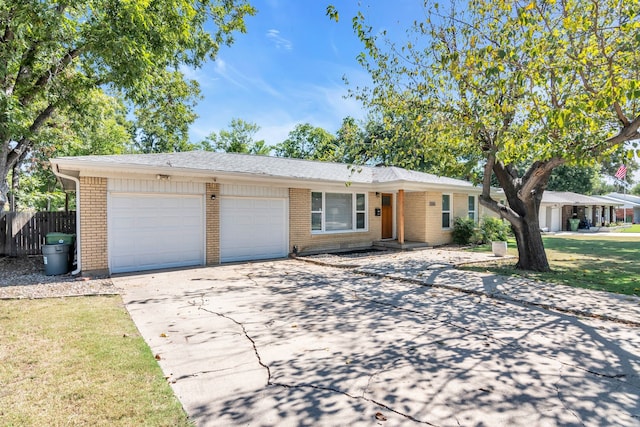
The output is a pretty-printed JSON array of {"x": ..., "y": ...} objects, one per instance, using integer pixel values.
[
  {"x": 163, "y": 118},
  {"x": 98, "y": 125},
  {"x": 578, "y": 179},
  {"x": 239, "y": 138},
  {"x": 53, "y": 54},
  {"x": 510, "y": 83},
  {"x": 306, "y": 141}
]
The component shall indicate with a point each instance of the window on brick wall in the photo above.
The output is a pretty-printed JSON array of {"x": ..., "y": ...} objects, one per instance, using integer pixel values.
[
  {"x": 338, "y": 212},
  {"x": 446, "y": 211},
  {"x": 472, "y": 208}
]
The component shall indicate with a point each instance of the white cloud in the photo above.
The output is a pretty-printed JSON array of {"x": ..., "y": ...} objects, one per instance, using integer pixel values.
[
  {"x": 275, "y": 133},
  {"x": 246, "y": 82},
  {"x": 279, "y": 41}
]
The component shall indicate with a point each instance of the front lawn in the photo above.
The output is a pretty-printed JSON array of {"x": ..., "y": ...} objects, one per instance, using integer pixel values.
[
  {"x": 635, "y": 228},
  {"x": 79, "y": 362},
  {"x": 609, "y": 263}
]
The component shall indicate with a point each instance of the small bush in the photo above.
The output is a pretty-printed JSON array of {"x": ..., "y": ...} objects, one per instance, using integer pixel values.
[
  {"x": 494, "y": 230},
  {"x": 464, "y": 230}
]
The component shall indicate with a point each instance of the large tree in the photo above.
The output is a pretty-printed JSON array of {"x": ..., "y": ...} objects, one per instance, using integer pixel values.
[
  {"x": 306, "y": 141},
  {"x": 164, "y": 116},
  {"x": 239, "y": 138},
  {"x": 97, "y": 125},
  {"x": 53, "y": 54},
  {"x": 513, "y": 82}
]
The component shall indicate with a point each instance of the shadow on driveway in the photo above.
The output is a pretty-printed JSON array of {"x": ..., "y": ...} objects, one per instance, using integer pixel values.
[{"x": 292, "y": 343}]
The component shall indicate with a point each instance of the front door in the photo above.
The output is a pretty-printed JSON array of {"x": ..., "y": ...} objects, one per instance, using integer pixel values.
[{"x": 387, "y": 216}]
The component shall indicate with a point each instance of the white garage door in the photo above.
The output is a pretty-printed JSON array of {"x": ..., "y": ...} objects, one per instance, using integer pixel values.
[
  {"x": 252, "y": 228},
  {"x": 155, "y": 231}
]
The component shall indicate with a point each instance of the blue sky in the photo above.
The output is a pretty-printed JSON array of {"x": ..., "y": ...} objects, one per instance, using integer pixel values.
[{"x": 289, "y": 66}]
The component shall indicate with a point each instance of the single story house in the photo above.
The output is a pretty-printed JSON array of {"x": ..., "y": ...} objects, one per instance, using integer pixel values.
[
  {"x": 629, "y": 210},
  {"x": 557, "y": 207},
  {"x": 150, "y": 211}
]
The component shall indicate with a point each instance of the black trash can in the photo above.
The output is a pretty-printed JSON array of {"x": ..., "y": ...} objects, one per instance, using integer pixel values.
[{"x": 56, "y": 259}]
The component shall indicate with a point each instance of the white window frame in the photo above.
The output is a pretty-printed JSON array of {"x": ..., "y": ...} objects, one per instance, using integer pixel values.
[
  {"x": 473, "y": 214},
  {"x": 443, "y": 211},
  {"x": 354, "y": 213}
]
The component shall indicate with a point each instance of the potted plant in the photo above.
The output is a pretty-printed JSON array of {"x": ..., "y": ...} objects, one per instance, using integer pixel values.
[
  {"x": 494, "y": 230},
  {"x": 499, "y": 247}
]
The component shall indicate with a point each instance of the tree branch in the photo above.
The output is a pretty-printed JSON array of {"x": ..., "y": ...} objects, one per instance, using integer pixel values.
[
  {"x": 627, "y": 133},
  {"x": 536, "y": 174},
  {"x": 48, "y": 75},
  {"x": 24, "y": 144}
]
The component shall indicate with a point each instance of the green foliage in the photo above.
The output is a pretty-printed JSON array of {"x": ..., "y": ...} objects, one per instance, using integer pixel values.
[
  {"x": 505, "y": 83},
  {"x": 351, "y": 143},
  {"x": 163, "y": 118},
  {"x": 464, "y": 230},
  {"x": 37, "y": 192},
  {"x": 97, "y": 125},
  {"x": 55, "y": 55},
  {"x": 238, "y": 139},
  {"x": 491, "y": 229},
  {"x": 579, "y": 179},
  {"x": 494, "y": 230},
  {"x": 308, "y": 142}
]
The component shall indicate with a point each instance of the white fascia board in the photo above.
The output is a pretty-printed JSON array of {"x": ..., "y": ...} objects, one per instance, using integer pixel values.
[
  {"x": 117, "y": 170},
  {"x": 411, "y": 186}
]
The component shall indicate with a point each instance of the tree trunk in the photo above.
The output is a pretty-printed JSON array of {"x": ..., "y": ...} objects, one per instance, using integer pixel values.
[
  {"x": 4, "y": 182},
  {"x": 523, "y": 196},
  {"x": 15, "y": 184},
  {"x": 532, "y": 255}
]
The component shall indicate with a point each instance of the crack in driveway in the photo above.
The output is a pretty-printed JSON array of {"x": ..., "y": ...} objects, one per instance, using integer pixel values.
[
  {"x": 303, "y": 385},
  {"x": 403, "y": 363}
]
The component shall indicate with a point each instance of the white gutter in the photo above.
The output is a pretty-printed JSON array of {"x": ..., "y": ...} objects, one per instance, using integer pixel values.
[{"x": 57, "y": 172}]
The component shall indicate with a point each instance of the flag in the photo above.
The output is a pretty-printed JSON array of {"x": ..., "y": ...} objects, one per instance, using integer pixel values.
[{"x": 622, "y": 172}]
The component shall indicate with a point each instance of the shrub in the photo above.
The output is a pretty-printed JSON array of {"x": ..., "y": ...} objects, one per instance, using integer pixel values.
[
  {"x": 463, "y": 231},
  {"x": 494, "y": 230}
]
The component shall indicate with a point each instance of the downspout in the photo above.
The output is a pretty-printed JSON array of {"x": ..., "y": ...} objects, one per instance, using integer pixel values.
[{"x": 78, "y": 246}]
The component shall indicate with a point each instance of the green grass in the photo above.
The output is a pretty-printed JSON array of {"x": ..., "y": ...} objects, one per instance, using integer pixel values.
[
  {"x": 635, "y": 228},
  {"x": 76, "y": 362},
  {"x": 601, "y": 262}
]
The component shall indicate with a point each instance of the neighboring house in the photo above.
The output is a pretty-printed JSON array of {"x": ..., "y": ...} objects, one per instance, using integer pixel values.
[
  {"x": 630, "y": 206},
  {"x": 557, "y": 207},
  {"x": 149, "y": 211}
]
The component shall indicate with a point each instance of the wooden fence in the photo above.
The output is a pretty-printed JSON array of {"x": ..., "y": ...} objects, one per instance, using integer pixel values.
[{"x": 23, "y": 233}]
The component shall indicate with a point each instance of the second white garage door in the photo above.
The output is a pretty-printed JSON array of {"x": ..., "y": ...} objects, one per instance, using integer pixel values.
[
  {"x": 155, "y": 231},
  {"x": 253, "y": 228}
]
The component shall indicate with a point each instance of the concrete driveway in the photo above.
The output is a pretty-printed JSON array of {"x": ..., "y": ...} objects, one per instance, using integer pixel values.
[{"x": 292, "y": 343}]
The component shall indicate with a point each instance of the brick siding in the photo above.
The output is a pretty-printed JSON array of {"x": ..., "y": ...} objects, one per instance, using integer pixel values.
[
  {"x": 212, "y": 211},
  {"x": 93, "y": 225}
]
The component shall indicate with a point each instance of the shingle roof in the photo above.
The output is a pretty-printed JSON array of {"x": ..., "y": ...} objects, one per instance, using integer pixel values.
[
  {"x": 569, "y": 198},
  {"x": 624, "y": 198},
  {"x": 277, "y": 167}
]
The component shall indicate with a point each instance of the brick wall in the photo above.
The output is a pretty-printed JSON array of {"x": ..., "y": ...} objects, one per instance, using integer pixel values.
[
  {"x": 212, "y": 211},
  {"x": 93, "y": 225},
  {"x": 300, "y": 226},
  {"x": 415, "y": 212}
]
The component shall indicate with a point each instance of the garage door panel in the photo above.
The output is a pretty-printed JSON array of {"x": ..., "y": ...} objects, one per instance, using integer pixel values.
[
  {"x": 155, "y": 231},
  {"x": 253, "y": 228}
]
